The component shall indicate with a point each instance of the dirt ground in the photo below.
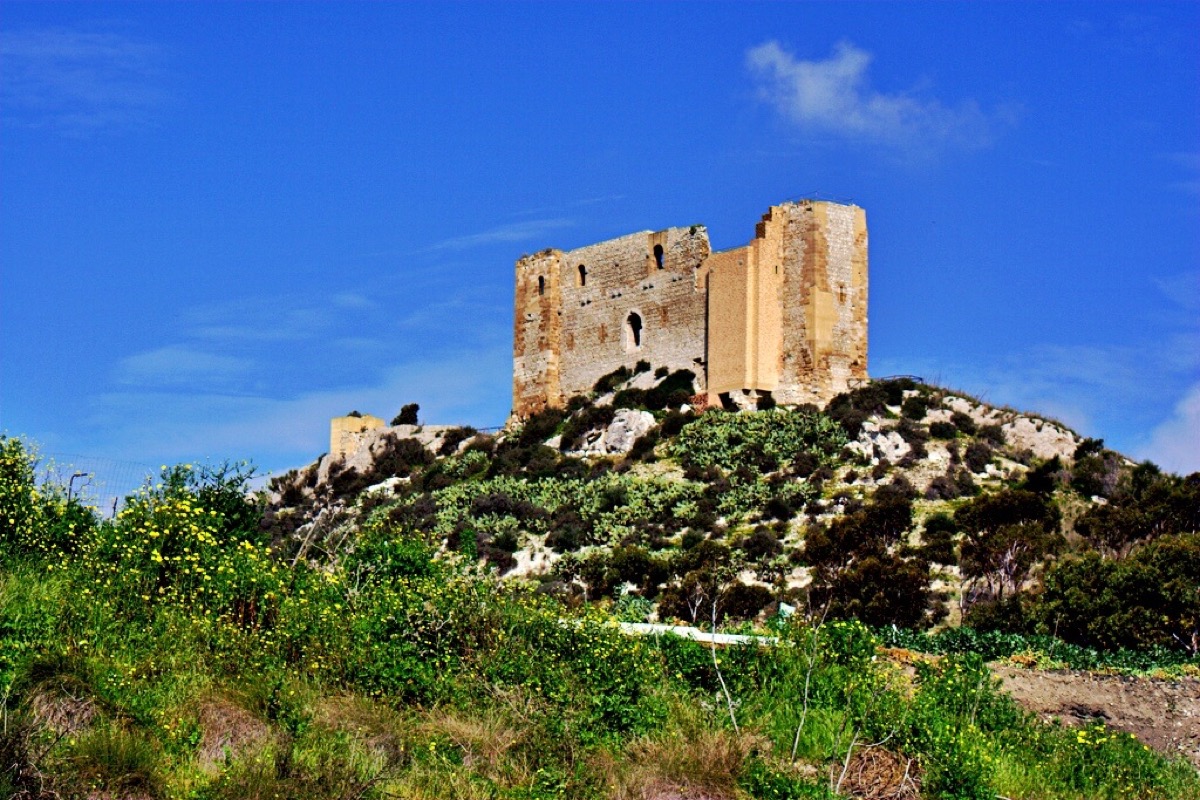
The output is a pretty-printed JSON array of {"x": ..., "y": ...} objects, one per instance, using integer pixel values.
[{"x": 1164, "y": 714}]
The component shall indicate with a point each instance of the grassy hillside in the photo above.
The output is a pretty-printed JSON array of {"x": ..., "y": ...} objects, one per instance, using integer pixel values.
[{"x": 441, "y": 621}]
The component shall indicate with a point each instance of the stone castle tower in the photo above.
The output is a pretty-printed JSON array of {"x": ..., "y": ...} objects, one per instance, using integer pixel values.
[{"x": 784, "y": 316}]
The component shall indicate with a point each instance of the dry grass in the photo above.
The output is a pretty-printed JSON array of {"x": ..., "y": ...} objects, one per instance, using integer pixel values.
[
  {"x": 689, "y": 760},
  {"x": 227, "y": 731},
  {"x": 488, "y": 742},
  {"x": 63, "y": 705},
  {"x": 378, "y": 728}
]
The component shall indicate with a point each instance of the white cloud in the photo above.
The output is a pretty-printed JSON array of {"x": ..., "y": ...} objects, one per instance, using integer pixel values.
[
  {"x": 1182, "y": 289},
  {"x": 835, "y": 96},
  {"x": 1175, "y": 444},
  {"x": 283, "y": 318},
  {"x": 78, "y": 82}
]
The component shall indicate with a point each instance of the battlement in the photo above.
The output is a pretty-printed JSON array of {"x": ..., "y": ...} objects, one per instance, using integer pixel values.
[{"x": 783, "y": 316}]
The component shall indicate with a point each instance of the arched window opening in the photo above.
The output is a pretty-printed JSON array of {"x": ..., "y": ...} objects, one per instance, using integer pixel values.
[
  {"x": 541, "y": 284},
  {"x": 658, "y": 255},
  {"x": 633, "y": 331},
  {"x": 582, "y": 275}
]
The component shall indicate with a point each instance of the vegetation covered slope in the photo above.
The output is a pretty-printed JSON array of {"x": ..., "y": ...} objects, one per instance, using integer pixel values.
[{"x": 351, "y": 643}]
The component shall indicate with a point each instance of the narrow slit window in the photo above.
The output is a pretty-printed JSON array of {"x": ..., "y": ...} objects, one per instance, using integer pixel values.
[
  {"x": 582, "y": 275},
  {"x": 633, "y": 330},
  {"x": 658, "y": 255},
  {"x": 541, "y": 284}
]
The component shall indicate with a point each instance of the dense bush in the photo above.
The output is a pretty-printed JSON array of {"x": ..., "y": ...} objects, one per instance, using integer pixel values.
[
  {"x": 612, "y": 380},
  {"x": 38, "y": 522},
  {"x": 453, "y": 438},
  {"x": 992, "y": 434},
  {"x": 1148, "y": 505},
  {"x": 672, "y": 392},
  {"x": 978, "y": 456},
  {"x": 582, "y": 423},
  {"x": 938, "y": 539},
  {"x": 964, "y": 422},
  {"x": 943, "y": 430},
  {"x": 915, "y": 407},
  {"x": 1149, "y": 599}
]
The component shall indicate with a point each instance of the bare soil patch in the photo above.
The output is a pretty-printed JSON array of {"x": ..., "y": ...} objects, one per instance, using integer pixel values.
[{"x": 1164, "y": 714}]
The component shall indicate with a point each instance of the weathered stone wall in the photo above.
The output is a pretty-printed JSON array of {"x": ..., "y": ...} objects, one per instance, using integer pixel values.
[
  {"x": 727, "y": 320},
  {"x": 824, "y": 264},
  {"x": 536, "y": 333},
  {"x": 784, "y": 314},
  {"x": 630, "y": 305}
]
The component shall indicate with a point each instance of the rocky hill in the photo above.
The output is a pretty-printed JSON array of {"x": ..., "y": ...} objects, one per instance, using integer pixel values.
[{"x": 635, "y": 496}]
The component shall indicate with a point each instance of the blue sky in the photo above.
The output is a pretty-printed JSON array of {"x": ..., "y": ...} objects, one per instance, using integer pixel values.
[{"x": 222, "y": 224}]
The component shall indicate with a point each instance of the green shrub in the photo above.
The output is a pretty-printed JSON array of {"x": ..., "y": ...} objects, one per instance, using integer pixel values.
[
  {"x": 964, "y": 422},
  {"x": 583, "y": 423},
  {"x": 1149, "y": 599},
  {"x": 36, "y": 521},
  {"x": 978, "y": 456},
  {"x": 915, "y": 408},
  {"x": 612, "y": 380},
  {"x": 1005, "y": 535},
  {"x": 453, "y": 438},
  {"x": 732, "y": 440},
  {"x": 540, "y": 426},
  {"x": 858, "y": 574},
  {"x": 938, "y": 539},
  {"x": 992, "y": 434},
  {"x": 943, "y": 430}
]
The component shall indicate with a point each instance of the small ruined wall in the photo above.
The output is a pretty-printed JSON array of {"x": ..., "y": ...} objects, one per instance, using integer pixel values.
[{"x": 344, "y": 432}]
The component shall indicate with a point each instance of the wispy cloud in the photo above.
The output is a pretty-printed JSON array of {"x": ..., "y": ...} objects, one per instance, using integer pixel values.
[
  {"x": 181, "y": 366},
  {"x": 458, "y": 387},
  {"x": 281, "y": 319},
  {"x": 78, "y": 82},
  {"x": 1182, "y": 289},
  {"x": 1189, "y": 183},
  {"x": 512, "y": 232},
  {"x": 835, "y": 96}
]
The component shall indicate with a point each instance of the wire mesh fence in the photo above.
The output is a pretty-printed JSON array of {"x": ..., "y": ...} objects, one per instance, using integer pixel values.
[{"x": 95, "y": 480}]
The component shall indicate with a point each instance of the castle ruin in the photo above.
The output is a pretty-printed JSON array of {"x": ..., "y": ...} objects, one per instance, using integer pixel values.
[{"x": 783, "y": 317}]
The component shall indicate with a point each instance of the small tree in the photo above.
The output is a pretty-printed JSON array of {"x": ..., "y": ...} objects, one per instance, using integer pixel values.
[
  {"x": 1006, "y": 535},
  {"x": 407, "y": 415}
]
